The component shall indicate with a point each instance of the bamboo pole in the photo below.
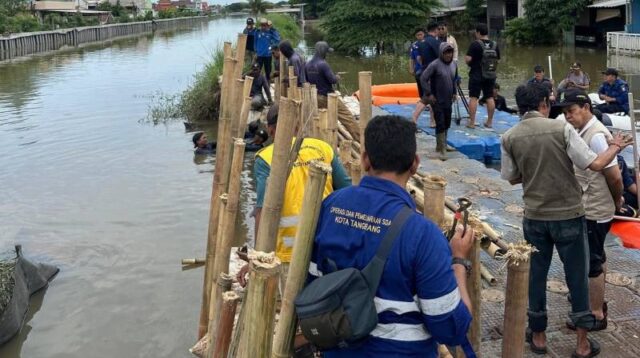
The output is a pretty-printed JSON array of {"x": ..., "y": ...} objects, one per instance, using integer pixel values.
[
  {"x": 293, "y": 84},
  {"x": 364, "y": 85},
  {"x": 636, "y": 164},
  {"x": 332, "y": 120},
  {"x": 283, "y": 70},
  {"x": 261, "y": 305},
  {"x": 193, "y": 261},
  {"x": 239, "y": 330},
  {"x": 214, "y": 203},
  {"x": 223, "y": 284},
  {"x": 314, "y": 100},
  {"x": 276, "y": 182},
  {"x": 286, "y": 327},
  {"x": 626, "y": 218},
  {"x": 434, "y": 188},
  {"x": 323, "y": 122},
  {"x": 236, "y": 116},
  {"x": 491, "y": 248},
  {"x": 487, "y": 276},
  {"x": 225, "y": 324},
  {"x": 227, "y": 232},
  {"x": 516, "y": 300},
  {"x": 356, "y": 171},
  {"x": 241, "y": 46},
  {"x": 345, "y": 151},
  {"x": 306, "y": 109},
  {"x": 474, "y": 287}
]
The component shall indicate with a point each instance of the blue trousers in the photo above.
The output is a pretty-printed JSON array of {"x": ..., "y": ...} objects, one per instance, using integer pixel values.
[{"x": 569, "y": 237}]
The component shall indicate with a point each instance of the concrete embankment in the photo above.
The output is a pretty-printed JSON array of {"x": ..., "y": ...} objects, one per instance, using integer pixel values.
[{"x": 24, "y": 44}]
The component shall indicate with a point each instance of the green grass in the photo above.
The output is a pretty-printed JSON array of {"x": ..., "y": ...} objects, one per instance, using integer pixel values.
[{"x": 287, "y": 26}]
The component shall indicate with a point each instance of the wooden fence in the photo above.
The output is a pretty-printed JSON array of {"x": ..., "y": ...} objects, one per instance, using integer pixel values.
[{"x": 24, "y": 44}]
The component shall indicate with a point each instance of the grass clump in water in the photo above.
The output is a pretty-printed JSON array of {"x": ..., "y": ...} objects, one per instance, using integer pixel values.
[{"x": 201, "y": 100}]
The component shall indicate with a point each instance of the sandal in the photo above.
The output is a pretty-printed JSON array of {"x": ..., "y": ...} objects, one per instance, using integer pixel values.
[
  {"x": 535, "y": 349},
  {"x": 595, "y": 350}
]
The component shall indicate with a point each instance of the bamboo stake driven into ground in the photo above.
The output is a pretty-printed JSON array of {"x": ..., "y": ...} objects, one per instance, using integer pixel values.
[
  {"x": 277, "y": 180},
  {"x": 225, "y": 324},
  {"x": 516, "y": 300},
  {"x": 286, "y": 328},
  {"x": 332, "y": 120},
  {"x": 264, "y": 270},
  {"x": 223, "y": 284},
  {"x": 434, "y": 189},
  {"x": 227, "y": 234},
  {"x": 364, "y": 86},
  {"x": 214, "y": 203}
]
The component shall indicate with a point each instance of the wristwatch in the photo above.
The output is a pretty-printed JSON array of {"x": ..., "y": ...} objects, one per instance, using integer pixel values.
[{"x": 464, "y": 262}]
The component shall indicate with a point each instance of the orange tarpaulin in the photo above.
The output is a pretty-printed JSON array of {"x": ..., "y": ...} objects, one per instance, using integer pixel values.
[{"x": 628, "y": 232}]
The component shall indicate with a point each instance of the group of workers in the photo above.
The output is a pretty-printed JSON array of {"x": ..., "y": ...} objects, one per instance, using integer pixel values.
[{"x": 572, "y": 189}]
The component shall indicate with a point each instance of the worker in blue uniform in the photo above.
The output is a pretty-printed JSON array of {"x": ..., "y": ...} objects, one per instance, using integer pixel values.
[
  {"x": 422, "y": 298},
  {"x": 614, "y": 92},
  {"x": 264, "y": 39}
]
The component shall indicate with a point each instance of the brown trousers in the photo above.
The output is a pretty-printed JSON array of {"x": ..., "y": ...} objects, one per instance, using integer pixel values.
[{"x": 344, "y": 116}]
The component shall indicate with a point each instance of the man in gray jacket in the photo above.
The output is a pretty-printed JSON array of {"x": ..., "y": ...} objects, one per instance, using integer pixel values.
[{"x": 439, "y": 85}]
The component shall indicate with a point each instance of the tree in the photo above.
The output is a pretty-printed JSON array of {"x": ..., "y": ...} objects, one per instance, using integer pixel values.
[
  {"x": 257, "y": 6},
  {"x": 353, "y": 24},
  {"x": 541, "y": 26}
]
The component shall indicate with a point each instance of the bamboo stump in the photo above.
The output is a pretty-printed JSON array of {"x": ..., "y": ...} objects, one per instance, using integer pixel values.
[
  {"x": 474, "y": 287},
  {"x": 356, "y": 172},
  {"x": 345, "y": 151},
  {"x": 260, "y": 305},
  {"x": 332, "y": 120},
  {"x": 434, "y": 189},
  {"x": 277, "y": 180},
  {"x": 516, "y": 300},
  {"x": 225, "y": 324},
  {"x": 286, "y": 328},
  {"x": 323, "y": 119},
  {"x": 364, "y": 86}
]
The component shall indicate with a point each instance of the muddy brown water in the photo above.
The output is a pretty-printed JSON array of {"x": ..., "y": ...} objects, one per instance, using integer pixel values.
[{"x": 116, "y": 203}]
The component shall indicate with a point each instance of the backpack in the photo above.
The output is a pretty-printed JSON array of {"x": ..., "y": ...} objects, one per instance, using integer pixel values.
[
  {"x": 489, "y": 63},
  {"x": 337, "y": 310}
]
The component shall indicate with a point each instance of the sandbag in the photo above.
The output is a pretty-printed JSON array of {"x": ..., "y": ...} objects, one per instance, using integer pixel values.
[{"x": 19, "y": 279}]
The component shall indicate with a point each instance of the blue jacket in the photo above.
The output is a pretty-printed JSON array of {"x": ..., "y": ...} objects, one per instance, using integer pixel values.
[
  {"x": 413, "y": 54},
  {"x": 618, "y": 90},
  {"x": 263, "y": 42},
  {"x": 418, "y": 300}
]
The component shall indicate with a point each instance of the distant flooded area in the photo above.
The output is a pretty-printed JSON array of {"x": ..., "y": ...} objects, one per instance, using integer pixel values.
[{"x": 89, "y": 185}]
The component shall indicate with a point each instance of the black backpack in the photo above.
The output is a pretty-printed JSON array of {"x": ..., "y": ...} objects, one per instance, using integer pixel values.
[
  {"x": 490, "y": 60},
  {"x": 337, "y": 309}
]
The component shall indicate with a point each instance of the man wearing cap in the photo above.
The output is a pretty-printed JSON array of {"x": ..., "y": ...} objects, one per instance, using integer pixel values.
[
  {"x": 614, "y": 92},
  {"x": 576, "y": 79},
  {"x": 318, "y": 72},
  {"x": 250, "y": 31},
  {"x": 311, "y": 149},
  {"x": 601, "y": 197},
  {"x": 541, "y": 153},
  {"x": 538, "y": 77},
  {"x": 264, "y": 39}
]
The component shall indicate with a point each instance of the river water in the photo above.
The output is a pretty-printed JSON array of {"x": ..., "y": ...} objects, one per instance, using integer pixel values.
[{"x": 116, "y": 203}]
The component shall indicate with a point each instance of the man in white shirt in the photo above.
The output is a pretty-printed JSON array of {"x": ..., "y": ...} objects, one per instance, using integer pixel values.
[{"x": 602, "y": 197}]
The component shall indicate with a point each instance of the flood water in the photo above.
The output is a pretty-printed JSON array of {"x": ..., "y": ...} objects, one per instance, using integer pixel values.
[{"x": 116, "y": 203}]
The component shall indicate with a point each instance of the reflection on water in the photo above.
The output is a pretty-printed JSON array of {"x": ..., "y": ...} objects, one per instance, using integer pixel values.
[{"x": 116, "y": 204}]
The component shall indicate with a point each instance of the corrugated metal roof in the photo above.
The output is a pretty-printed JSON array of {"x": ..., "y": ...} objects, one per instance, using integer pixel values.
[{"x": 609, "y": 3}]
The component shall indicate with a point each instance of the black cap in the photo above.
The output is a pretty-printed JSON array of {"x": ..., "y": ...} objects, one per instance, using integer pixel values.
[
  {"x": 575, "y": 97},
  {"x": 610, "y": 71},
  {"x": 538, "y": 68},
  {"x": 250, "y": 21},
  {"x": 262, "y": 134}
]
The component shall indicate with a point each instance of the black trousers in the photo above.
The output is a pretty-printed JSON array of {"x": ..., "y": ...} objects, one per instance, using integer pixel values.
[
  {"x": 266, "y": 62},
  {"x": 442, "y": 115},
  {"x": 420, "y": 90}
]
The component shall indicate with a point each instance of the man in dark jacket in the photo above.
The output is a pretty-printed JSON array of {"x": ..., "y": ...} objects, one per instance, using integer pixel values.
[
  {"x": 295, "y": 60},
  {"x": 318, "y": 72},
  {"x": 438, "y": 82},
  {"x": 259, "y": 89},
  {"x": 250, "y": 31}
]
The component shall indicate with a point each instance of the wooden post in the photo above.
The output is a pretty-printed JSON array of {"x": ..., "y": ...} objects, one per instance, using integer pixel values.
[
  {"x": 516, "y": 300},
  {"x": 225, "y": 324},
  {"x": 364, "y": 85},
  {"x": 305, "y": 119},
  {"x": 238, "y": 99},
  {"x": 356, "y": 171},
  {"x": 434, "y": 188},
  {"x": 636, "y": 165},
  {"x": 215, "y": 193},
  {"x": 244, "y": 117},
  {"x": 223, "y": 284},
  {"x": 323, "y": 123},
  {"x": 314, "y": 100},
  {"x": 286, "y": 328},
  {"x": 283, "y": 70},
  {"x": 332, "y": 120},
  {"x": 261, "y": 305},
  {"x": 474, "y": 287},
  {"x": 241, "y": 46},
  {"x": 274, "y": 195}
]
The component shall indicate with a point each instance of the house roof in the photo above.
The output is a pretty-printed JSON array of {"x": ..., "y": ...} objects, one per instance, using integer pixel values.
[{"x": 608, "y": 4}]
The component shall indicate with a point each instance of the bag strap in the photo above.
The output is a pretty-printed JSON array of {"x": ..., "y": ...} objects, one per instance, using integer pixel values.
[{"x": 373, "y": 271}]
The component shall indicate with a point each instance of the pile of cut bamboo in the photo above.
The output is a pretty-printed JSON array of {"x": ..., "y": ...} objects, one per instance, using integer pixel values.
[{"x": 253, "y": 333}]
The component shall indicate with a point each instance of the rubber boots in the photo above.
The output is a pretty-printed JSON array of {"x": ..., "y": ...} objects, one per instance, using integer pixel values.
[
  {"x": 441, "y": 147},
  {"x": 449, "y": 149}
]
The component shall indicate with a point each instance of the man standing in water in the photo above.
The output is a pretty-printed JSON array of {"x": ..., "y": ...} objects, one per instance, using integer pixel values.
[
  {"x": 541, "y": 153},
  {"x": 439, "y": 84},
  {"x": 601, "y": 197},
  {"x": 482, "y": 57},
  {"x": 538, "y": 77},
  {"x": 318, "y": 72}
]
